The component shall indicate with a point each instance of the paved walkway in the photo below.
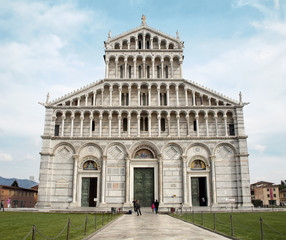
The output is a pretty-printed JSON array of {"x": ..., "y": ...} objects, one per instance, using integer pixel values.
[{"x": 152, "y": 226}]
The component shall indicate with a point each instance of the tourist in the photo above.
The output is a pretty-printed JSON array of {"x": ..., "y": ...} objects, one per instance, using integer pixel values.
[
  {"x": 2, "y": 205},
  {"x": 156, "y": 206},
  {"x": 138, "y": 208},
  {"x": 8, "y": 202},
  {"x": 153, "y": 206},
  {"x": 134, "y": 204}
]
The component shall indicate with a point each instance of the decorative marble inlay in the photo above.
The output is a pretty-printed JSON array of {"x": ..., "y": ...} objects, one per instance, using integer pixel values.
[
  {"x": 90, "y": 149},
  {"x": 115, "y": 152},
  {"x": 224, "y": 152},
  {"x": 197, "y": 149},
  {"x": 64, "y": 152},
  {"x": 172, "y": 153}
]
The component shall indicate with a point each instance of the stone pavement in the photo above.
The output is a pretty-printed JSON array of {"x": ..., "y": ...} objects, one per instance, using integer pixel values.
[{"x": 152, "y": 226}]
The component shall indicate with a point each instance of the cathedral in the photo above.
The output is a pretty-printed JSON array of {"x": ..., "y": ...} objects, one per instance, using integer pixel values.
[{"x": 144, "y": 132}]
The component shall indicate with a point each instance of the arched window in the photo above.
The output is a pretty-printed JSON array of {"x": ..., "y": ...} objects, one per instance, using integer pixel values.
[
  {"x": 122, "y": 99},
  {"x": 93, "y": 125},
  {"x": 158, "y": 71},
  {"x": 148, "y": 71},
  {"x": 121, "y": 71},
  {"x": 127, "y": 99},
  {"x": 163, "y": 127},
  {"x": 141, "y": 124},
  {"x": 166, "y": 71},
  {"x": 129, "y": 71},
  {"x": 147, "y": 44},
  {"x": 139, "y": 71},
  {"x": 140, "y": 45},
  {"x": 90, "y": 165},
  {"x": 125, "y": 124},
  {"x": 146, "y": 123}
]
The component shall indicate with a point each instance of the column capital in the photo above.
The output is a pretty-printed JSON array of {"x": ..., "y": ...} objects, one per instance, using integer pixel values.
[
  {"x": 138, "y": 116},
  {"x": 91, "y": 117},
  {"x": 120, "y": 88},
  {"x": 206, "y": 117},
  {"x": 119, "y": 117},
  {"x": 104, "y": 158},
  {"x": 158, "y": 89},
  {"x": 75, "y": 157},
  {"x": 177, "y": 87},
  {"x": 81, "y": 117},
  {"x": 72, "y": 117},
  {"x": 86, "y": 95},
  {"x": 177, "y": 116},
  {"x": 100, "y": 117},
  {"x": 110, "y": 117},
  {"x": 129, "y": 88},
  {"x": 184, "y": 158},
  {"x": 149, "y": 88},
  {"x": 138, "y": 88},
  {"x": 159, "y": 117},
  {"x": 110, "y": 89},
  {"x": 63, "y": 117}
]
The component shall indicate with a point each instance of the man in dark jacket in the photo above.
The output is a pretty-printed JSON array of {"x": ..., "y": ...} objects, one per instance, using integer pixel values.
[
  {"x": 156, "y": 205},
  {"x": 138, "y": 208}
]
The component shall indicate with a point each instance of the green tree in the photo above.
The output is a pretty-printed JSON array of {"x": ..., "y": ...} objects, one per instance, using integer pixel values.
[{"x": 15, "y": 184}]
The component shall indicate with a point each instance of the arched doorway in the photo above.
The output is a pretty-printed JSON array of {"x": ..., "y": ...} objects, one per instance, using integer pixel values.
[{"x": 144, "y": 175}]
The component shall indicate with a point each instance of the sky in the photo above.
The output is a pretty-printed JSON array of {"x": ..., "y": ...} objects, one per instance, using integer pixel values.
[{"x": 57, "y": 47}]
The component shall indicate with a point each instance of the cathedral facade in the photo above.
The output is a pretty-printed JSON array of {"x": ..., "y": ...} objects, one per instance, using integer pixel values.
[{"x": 144, "y": 132}]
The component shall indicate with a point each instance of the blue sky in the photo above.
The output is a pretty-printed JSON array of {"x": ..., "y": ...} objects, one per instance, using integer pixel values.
[{"x": 57, "y": 47}]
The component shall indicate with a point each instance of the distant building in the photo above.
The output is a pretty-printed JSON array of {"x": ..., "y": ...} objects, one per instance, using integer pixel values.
[
  {"x": 282, "y": 196},
  {"x": 20, "y": 197},
  {"x": 267, "y": 192}
]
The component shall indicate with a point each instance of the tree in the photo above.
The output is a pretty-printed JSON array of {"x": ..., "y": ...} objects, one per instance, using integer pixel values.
[{"x": 15, "y": 184}]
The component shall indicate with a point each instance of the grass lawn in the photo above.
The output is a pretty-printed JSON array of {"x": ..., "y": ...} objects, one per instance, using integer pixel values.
[
  {"x": 246, "y": 226},
  {"x": 16, "y": 225}
]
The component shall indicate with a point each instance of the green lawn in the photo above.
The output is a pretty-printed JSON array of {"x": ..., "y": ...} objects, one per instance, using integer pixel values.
[
  {"x": 16, "y": 225},
  {"x": 246, "y": 226}
]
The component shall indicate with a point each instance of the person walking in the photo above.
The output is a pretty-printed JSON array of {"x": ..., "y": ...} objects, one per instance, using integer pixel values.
[
  {"x": 2, "y": 205},
  {"x": 156, "y": 206},
  {"x": 134, "y": 205},
  {"x": 153, "y": 206},
  {"x": 138, "y": 208},
  {"x": 8, "y": 202}
]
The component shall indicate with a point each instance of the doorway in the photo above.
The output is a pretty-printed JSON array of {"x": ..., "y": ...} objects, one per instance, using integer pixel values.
[
  {"x": 144, "y": 186},
  {"x": 89, "y": 192},
  {"x": 199, "y": 191}
]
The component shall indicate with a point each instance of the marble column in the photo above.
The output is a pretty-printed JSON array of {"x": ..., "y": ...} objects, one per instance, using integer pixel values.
[
  {"x": 177, "y": 96},
  {"x": 75, "y": 168},
  {"x": 102, "y": 93},
  {"x": 109, "y": 125},
  {"x": 162, "y": 68},
  {"x": 72, "y": 123},
  {"x": 178, "y": 125},
  {"x": 160, "y": 179},
  {"x": 127, "y": 180},
  {"x": 63, "y": 125},
  {"x": 144, "y": 68},
  {"x": 172, "y": 70},
  {"x": 119, "y": 125},
  {"x": 149, "y": 124},
  {"x": 168, "y": 96},
  {"x": 194, "y": 98},
  {"x": 138, "y": 94},
  {"x": 120, "y": 93},
  {"x": 90, "y": 125},
  {"x": 116, "y": 68},
  {"x": 186, "y": 96},
  {"x": 81, "y": 125},
  {"x": 169, "y": 125},
  {"x": 198, "y": 127},
  {"x": 78, "y": 101},
  {"x": 213, "y": 174},
  {"x": 225, "y": 125},
  {"x": 149, "y": 96},
  {"x": 138, "y": 125},
  {"x": 110, "y": 96},
  {"x": 106, "y": 69},
  {"x": 94, "y": 98},
  {"x": 125, "y": 68},
  {"x": 159, "y": 125},
  {"x": 158, "y": 95},
  {"x": 129, "y": 96},
  {"x": 100, "y": 125},
  {"x": 103, "y": 178},
  {"x": 153, "y": 68},
  {"x": 216, "y": 127},
  {"x": 188, "y": 125},
  {"x": 181, "y": 69},
  {"x": 185, "y": 192},
  {"x": 207, "y": 125},
  {"x": 86, "y": 99},
  {"x": 134, "y": 68},
  {"x": 129, "y": 118}
]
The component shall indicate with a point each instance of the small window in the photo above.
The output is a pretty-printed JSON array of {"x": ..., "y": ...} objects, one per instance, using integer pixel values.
[
  {"x": 148, "y": 45},
  {"x": 124, "y": 124},
  {"x": 141, "y": 124},
  {"x": 195, "y": 125},
  {"x": 121, "y": 71},
  {"x": 140, "y": 45},
  {"x": 148, "y": 71},
  {"x": 274, "y": 195},
  {"x": 158, "y": 71},
  {"x": 129, "y": 71},
  {"x": 268, "y": 195},
  {"x": 231, "y": 130},
  {"x": 127, "y": 99},
  {"x": 274, "y": 189},
  {"x": 165, "y": 99},
  {"x": 166, "y": 71},
  {"x": 122, "y": 99},
  {"x": 267, "y": 189},
  {"x": 163, "y": 127},
  {"x": 57, "y": 130},
  {"x": 146, "y": 124},
  {"x": 93, "y": 126},
  {"x": 139, "y": 71}
]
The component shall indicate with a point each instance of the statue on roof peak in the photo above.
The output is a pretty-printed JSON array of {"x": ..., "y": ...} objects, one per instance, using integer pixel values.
[
  {"x": 143, "y": 20},
  {"x": 177, "y": 33}
]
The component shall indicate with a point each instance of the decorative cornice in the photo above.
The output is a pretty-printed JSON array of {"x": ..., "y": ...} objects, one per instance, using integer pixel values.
[{"x": 147, "y": 138}]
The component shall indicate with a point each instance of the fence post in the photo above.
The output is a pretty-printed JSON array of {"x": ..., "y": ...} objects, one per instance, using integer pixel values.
[
  {"x": 34, "y": 232},
  {"x": 193, "y": 217},
  {"x": 261, "y": 228},
  {"x": 95, "y": 221},
  {"x": 231, "y": 225},
  {"x": 85, "y": 225},
  {"x": 202, "y": 218},
  {"x": 214, "y": 222},
  {"x": 68, "y": 231},
  {"x": 102, "y": 220}
]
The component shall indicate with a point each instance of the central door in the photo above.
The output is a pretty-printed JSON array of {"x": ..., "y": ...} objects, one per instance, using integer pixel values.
[
  {"x": 144, "y": 186},
  {"x": 199, "y": 191},
  {"x": 89, "y": 192}
]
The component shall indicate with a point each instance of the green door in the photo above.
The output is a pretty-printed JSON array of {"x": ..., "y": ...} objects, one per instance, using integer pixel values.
[
  {"x": 195, "y": 191},
  {"x": 85, "y": 192},
  {"x": 144, "y": 186}
]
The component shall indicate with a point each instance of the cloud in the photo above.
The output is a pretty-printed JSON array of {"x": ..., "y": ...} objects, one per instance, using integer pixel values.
[{"x": 5, "y": 157}]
